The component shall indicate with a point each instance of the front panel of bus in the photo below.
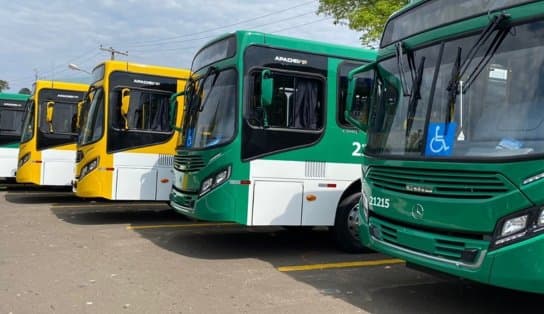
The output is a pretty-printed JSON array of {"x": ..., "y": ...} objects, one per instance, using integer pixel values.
[
  {"x": 47, "y": 150},
  {"x": 244, "y": 162},
  {"x": 12, "y": 111},
  {"x": 127, "y": 155},
  {"x": 453, "y": 164}
]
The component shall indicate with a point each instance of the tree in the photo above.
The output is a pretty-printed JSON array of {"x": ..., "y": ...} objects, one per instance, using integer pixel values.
[
  {"x": 24, "y": 90},
  {"x": 3, "y": 85},
  {"x": 366, "y": 16}
]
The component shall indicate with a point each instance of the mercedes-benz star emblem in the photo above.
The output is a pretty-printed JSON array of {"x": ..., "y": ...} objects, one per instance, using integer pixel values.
[{"x": 418, "y": 211}]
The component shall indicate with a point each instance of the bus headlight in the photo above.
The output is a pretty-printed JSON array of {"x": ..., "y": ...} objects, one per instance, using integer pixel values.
[
  {"x": 90, "y": 166},
  {"x": 206, "y": 186},
  {"x": 514, "y": 225},
  {"x": 540, "y": 221},
  {"x": 222, "y": 176},
  {"x": 24, "y": 159},
  {"x": 526, "y": 224},
  {"x": 215, "y": 180}
]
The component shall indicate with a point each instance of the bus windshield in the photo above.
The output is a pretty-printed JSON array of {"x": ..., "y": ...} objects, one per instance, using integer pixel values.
[
  {"x": 28, "y": 123},
  {"x": 210, "y": 112},
  {"x": 497, "y": 112},
  {"x": 92, "y": 124},
  {"x": 11, "y": 118}
]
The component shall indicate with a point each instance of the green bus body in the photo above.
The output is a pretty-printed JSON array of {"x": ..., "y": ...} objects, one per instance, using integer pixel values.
[
  {"x": 12, "y": 109},
  {"x": 452, "y": 170},
  {"x": 286, "y": 160}
]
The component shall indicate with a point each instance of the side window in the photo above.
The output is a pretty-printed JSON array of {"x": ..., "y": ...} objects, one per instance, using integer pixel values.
[
  {"x": 147, "y": 112},
  {"x": 297, "y": 102},
  {"x": 342, "y": 89},
  {"x": 64, "y": 118},
  {"x": 293, "y": 118},
  {"x": 11, "y": 120},
  {"x": 361, "y": 99}
]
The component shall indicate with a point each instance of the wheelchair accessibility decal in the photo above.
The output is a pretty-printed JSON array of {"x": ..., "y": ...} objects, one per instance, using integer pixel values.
[{"x": 439, "y": 141}]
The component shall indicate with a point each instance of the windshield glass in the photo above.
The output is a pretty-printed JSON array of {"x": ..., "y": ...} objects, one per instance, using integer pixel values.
[
  {"x": 28, "y": 123},
  {"x": 434, "y": 13},
  {"x": 11, "y": 117},
  {"x": 210, "y": 111},
  {"x": 92, "y": 117},
  {"x": 501, "y": 114}
]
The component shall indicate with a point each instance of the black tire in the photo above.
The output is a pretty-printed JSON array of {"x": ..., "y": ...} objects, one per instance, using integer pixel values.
[{"x": 346, "y": 228}]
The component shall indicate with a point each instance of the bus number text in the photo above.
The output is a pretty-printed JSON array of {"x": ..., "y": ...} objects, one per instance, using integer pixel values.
[
  {"x": 358, "y": 152},
  {"x": 379, "y": 202}
]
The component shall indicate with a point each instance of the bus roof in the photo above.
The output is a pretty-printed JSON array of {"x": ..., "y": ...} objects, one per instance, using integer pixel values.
[
  {"x": 12, "y": 96},
  {"x": 424, "y": 15},
  {"x": 253, "y": 37},
  {"x": 60, "y": 85},
  {"x": 133, "y": 67}
]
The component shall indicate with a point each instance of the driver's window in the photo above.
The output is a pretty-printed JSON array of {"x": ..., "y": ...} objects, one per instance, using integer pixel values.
[
  {"x": 297, "y": 102},
  {"x": 147, "y": 112}
]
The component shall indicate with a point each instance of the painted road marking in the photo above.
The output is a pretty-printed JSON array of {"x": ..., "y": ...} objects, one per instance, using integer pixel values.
[
  {"x": 181, "y": 226},
  {"x": 79, "y": 205},
  {"x": 390, "y": 261}
]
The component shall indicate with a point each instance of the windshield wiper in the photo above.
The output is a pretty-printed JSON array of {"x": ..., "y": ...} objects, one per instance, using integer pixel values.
[
  {"x": 399, "y": 51},
  {"x": 453, "y": 85},
  {"x": 203, "y": 101},
  {"x": 199, "y": 90},
  {"x": 415, "y": 96},
  {"x": 501, "y": 23}
]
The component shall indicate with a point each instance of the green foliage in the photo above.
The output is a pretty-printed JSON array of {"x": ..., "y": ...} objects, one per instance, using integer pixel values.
[
  {"x": 366, "y": 16},
  {"x": 25, "y": 90},
  {"x": 3, "y": 85}
]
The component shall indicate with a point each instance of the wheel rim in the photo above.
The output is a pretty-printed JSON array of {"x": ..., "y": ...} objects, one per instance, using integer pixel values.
[{"x": 353, "y": 222}]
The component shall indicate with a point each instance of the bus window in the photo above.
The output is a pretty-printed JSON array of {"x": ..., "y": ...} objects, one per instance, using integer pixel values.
[
  {"x": 294, "y": 118},
  {"x": 147, "y": 112},
  {"x": 297, "y": 102}
]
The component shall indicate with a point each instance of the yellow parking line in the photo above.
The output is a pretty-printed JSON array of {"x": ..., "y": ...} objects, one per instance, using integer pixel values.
[
  {"x": 181, "y": 226},
  {"x": 390, "y": 261},
  {"x": 79, "y": 205}
]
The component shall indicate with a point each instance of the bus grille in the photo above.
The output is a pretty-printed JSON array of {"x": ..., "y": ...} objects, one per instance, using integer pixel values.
[
  {"x": 165, "y": 160},
  {"x": 452, "y": 248},
  {"x": 188, "y": 163},
  {"x": 438, "y": 183}
]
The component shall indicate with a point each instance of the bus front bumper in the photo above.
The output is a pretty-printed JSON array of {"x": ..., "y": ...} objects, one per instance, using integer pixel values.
[
  {"x": 518, "y": 266},
  {"x": 217, "y": 205}
]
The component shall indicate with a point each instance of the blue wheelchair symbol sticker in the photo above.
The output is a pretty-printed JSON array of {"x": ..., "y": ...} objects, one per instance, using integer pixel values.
[{"x": 440, "y": 139}]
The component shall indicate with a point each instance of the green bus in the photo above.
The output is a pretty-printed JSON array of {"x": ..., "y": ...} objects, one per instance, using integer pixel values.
[
  {"x": 453, "y": 166},
  {"x": 264, "y": 141},
  {"x": 12, "y": 110}
]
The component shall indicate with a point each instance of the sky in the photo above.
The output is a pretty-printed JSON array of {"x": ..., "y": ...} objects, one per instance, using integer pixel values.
[{"x": 40, "y": 38}]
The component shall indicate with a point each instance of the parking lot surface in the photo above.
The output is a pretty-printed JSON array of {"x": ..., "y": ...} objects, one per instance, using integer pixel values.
[{"x": 60, "y": 254}]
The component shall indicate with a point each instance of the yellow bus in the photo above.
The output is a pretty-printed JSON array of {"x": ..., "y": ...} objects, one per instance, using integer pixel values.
[
  {"x": 48, "y": 141},
  {"x": 126, "y": 140}
]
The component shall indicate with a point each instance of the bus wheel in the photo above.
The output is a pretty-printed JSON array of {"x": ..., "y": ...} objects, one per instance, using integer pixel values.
[{"x": 346, "y": 225}]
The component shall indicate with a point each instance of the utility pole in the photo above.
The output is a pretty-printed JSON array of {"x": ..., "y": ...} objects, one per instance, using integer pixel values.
[{"x": 113, "y": 52}]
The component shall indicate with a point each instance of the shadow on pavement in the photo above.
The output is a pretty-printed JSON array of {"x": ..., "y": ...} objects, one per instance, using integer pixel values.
[
  {"x": 379, "y": 289},
  {"x": 101, "y": 213}
]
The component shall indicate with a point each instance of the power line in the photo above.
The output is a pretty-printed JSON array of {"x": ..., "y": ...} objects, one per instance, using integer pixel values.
[
  {"x": 137, "y": 44},
  {"x": 215, "y": 35},
  {"x": 113, "y": 52}
]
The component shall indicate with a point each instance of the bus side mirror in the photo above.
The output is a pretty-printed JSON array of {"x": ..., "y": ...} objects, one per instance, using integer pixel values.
[
  {"x": 173, "y": 110},
  {"x": 78, "y": 117},
  {"x": 50, "y": 107},
  {"x": 125, "y": 104},
  {"x": 267, "y": 88},
  {"x": 360, "y": 87}
]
